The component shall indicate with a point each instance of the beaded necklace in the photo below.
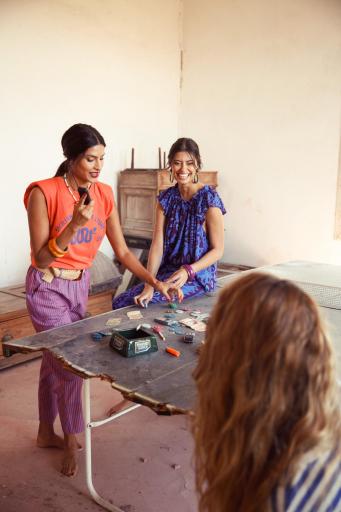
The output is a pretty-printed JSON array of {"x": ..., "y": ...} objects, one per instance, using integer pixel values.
[{"x": 70, "y": 188}]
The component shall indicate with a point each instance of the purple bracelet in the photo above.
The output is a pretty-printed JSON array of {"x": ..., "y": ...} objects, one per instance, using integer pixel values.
[{"x": 190, "y": 272}]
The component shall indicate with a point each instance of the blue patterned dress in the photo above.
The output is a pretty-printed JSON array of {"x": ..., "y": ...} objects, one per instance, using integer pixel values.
[{"x": 185, "y": 241}]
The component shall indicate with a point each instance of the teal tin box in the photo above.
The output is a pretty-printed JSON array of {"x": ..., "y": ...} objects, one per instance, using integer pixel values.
[{"x": 133, "y": 342}]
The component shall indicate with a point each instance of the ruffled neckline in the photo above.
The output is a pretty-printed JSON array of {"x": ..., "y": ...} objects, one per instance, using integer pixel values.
[{"x": 193, "y": 196}]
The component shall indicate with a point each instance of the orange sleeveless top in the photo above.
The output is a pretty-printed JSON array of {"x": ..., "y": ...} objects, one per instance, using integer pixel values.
[{"x": 60, "y": 203}]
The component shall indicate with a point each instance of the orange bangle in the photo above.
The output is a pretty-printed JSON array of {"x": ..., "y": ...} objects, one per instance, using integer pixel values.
[{"x": 55, "y": 250}]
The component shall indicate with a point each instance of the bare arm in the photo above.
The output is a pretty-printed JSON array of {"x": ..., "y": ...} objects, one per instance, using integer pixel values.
[
  {"x": 215, "y": 231},
  {"x": 156, "y": 248},
  {"x": 154, "y": 258},
  {"x": 39, "y": 226},
  {"x": 118, "y": 243}
]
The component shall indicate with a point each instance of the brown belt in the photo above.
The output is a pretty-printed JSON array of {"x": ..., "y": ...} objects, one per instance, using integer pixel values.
[{"x": 63, "y": 273}]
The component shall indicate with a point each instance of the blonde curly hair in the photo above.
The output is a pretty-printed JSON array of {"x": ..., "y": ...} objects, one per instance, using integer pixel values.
[{"x": 266, "y": 392}]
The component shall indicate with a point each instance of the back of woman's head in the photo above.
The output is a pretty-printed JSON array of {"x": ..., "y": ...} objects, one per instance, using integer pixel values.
[
  {"x": 77, "y": 139},
  {"x": 266, "y": 391},
  {"x": 186, "y": 145}
]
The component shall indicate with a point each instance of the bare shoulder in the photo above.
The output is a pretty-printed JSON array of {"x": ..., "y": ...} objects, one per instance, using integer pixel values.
[
  {"x": 36, "y": 193},
  {"x": 159, "y": 209},
  {"x": 213, "y": 213},
  {"x": 36, "y": 199}
]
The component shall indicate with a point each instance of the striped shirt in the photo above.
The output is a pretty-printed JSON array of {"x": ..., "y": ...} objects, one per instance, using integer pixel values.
[{"x": 316, "y": 486}]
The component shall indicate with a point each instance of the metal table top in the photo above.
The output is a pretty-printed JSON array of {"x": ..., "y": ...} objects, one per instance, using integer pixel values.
[{"x": 159, "y": 380}]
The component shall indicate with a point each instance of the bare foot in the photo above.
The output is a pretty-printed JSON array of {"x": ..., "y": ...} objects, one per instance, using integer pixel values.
[
  {"x": 70, "y": 463},
  {"x": 47, "y": 438},
  {"x": 123, "y": 404},
  {"x": 52, "y": 441}
]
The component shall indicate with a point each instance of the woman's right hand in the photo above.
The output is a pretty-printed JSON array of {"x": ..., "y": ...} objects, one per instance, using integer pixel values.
[
  {"x": 82, "y": 213},
  {"x": 145, "y": 296}
]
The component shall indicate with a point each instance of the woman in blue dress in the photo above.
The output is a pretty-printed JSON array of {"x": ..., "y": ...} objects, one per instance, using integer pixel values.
[{"x": 188, "y": 237}]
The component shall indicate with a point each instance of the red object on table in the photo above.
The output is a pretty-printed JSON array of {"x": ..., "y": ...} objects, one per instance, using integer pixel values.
[{"x": 158, "y": 331}]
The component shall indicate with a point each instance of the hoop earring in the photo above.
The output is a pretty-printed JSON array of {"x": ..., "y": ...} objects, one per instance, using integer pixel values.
[
  {"x": 195, "y": 177},
  {"x": 171, "y": 177}
]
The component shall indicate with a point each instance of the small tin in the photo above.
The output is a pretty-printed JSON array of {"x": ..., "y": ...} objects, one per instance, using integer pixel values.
[
  {"x": 133, "y": 342},
  {"x": 188, "y": 337}
]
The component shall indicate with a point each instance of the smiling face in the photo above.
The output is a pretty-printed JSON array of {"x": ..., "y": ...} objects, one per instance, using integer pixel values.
[
  {"x": 86, "y": 167},
  {"x": 184, "y": 167}
]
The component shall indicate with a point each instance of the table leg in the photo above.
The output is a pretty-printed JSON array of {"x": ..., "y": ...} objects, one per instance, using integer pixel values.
[{"x": 88, "y": 462}]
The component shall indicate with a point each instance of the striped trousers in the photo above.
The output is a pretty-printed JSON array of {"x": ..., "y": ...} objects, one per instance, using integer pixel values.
[{"x": 51, "y": 305}]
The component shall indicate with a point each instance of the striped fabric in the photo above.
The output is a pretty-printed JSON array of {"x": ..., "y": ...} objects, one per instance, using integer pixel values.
[
  {"x": 51, "y": 305},
  {"x": 316, "y": 486}
]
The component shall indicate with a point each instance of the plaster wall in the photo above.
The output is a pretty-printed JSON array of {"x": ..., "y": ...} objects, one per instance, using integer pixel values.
[
  {"x": 112, "y": 64},
  {"x": 261, "y": 94}
]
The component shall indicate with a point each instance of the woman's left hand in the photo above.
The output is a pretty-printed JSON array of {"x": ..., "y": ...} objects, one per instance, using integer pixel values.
[
  {"x": 178, "y": 279},
  {"x": 169, "y": 291}
]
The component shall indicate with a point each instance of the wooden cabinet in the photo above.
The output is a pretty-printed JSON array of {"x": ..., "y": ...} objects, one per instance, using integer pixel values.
[
  {"x": 14, "y": 321},
  {"x": 137, "y": 195}
]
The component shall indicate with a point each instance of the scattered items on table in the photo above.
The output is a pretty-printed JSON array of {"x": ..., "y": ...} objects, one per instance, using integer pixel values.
[
  {"x": 158, "y": 331},
  {"x": 170, "y": 315},
  {"x": 193, "y": 323},
  {"x": 200, "y": 316},
  {"x": 97, "y": 336},
  {"x": 133, "y": 342},
  {"x": 176, "y": 329},
  {"x": 173, "y": 351},
  {"x": 165, "y": 321},
  {"x": 189, "y": 337},
  {"x": 113, "y": 322},
  {"x": 195, "y": 313},
  {"x": 143, "y": 326},
  {"x": 134, "y": 315}
]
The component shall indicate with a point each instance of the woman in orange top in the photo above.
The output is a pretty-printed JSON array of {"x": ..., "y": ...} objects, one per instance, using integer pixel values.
[{"x": 68, "y": 216}]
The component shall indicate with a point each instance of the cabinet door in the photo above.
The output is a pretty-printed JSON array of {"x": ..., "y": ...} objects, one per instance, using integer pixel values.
[{"x": 137, "y": 207}]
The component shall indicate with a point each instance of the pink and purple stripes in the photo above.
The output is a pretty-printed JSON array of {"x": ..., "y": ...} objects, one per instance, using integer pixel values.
[{"x": 51, "y": 305}]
